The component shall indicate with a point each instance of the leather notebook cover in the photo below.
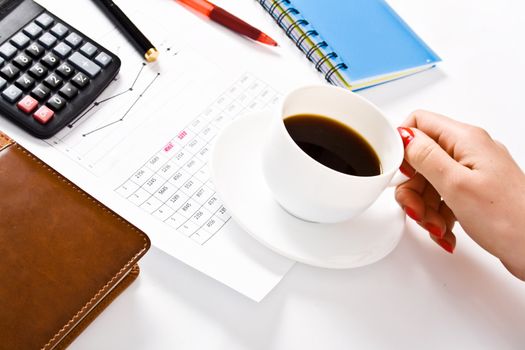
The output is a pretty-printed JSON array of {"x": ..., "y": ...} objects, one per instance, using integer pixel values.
[{"x": 63, "y": 255}]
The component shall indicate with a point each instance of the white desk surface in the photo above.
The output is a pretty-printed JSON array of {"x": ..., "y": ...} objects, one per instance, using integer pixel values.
[{"x": 417, "y": 297}]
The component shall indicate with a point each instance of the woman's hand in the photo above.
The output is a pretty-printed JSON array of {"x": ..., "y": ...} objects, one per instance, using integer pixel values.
[{"x": 458, "y": 172}]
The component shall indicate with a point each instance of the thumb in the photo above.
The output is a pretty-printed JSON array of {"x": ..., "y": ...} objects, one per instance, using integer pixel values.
[{"x": 428, "y": 158}]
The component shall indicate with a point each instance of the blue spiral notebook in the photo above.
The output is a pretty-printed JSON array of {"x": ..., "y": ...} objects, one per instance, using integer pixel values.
[{"x": 354, "y": 43}]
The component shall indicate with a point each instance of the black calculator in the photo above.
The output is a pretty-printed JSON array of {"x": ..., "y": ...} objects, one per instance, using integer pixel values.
[{"x": 49, "y": 71}]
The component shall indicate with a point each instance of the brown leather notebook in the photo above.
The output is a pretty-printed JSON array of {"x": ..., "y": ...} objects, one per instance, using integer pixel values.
[{"x": 63, "y": 255}]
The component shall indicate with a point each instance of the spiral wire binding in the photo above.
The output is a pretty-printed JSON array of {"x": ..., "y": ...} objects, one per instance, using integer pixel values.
[{"x": 307, "y": 39}]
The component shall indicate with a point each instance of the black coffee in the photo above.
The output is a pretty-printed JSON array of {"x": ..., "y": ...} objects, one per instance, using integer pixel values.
[{"x": 333, "y": 144}]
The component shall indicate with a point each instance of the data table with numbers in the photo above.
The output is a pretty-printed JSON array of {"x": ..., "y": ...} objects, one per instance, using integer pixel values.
[{"x": 174, "y": 184}]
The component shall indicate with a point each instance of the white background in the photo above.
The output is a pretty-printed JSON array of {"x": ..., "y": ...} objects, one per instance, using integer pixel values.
[{"x": 417, "y": 297}]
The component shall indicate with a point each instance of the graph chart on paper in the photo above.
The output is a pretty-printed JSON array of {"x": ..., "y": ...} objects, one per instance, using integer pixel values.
[
  {"x": 120, "y": 109},
  {"x": 118, "y": 118}
]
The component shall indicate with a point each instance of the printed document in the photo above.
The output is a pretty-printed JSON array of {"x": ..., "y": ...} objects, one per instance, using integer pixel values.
[{"x": 142, "y": 147}]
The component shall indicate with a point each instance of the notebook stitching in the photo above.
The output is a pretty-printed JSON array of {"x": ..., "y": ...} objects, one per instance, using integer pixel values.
[
  {"x": 73, "y": 319},
  {"x": 124, "y": 268},
  {"x": 8, "y": 140},
  {"x": 4, "y": 137}
]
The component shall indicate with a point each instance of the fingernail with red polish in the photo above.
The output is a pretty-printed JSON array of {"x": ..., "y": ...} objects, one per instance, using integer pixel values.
[
  {"x": 407, "y": 135},
  {"x": 445, "y": 245},
  {"x": 407, "y": 171},
  {"x": 412, "y": 214},
  {"x": 434, "y": 230}
]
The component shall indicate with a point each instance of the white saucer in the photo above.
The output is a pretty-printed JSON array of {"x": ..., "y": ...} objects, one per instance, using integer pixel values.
[{"x": 236, "y": 172}]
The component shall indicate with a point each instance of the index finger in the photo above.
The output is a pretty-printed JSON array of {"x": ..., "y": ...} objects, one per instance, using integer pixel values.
[
  {"x": 460, "y": 140},
  {"x": 444, "y": 130}
]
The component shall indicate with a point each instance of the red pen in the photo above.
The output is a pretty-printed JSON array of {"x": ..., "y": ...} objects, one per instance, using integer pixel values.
[{"x": 223, "y": 17}]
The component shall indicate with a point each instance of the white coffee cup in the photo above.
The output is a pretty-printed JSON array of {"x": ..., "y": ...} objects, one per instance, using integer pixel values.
[{"x": 312, "y": 191}]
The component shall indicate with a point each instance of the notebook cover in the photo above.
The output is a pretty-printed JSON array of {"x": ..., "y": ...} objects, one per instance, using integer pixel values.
[
  {"x": 63, "y": 254},
  {"x": 70, "y": 337},
  {"x": 368, "y": 36}
]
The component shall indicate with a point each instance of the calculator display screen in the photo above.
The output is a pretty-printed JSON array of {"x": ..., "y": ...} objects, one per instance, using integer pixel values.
[{"x": 6, "y": 6}]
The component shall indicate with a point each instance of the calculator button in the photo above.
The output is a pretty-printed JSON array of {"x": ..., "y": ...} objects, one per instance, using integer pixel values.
[
  {"x": 53, "y": 81},
  {"x": 25, "y": 82},
  {"x": 33, "y": 30},
  {"x": 40, "y": 92},
  {"x": 47, "y": 40},
  {"x": 7, "y": 51},
  {"x": 56, "y": 102},
  {"x": 20, "y": 40},
  {"x": 50, "y": 60},
  {"x": 103, "y": 59},
  {"x": 59, "y": 30},
  {"x": 44, "y": 20},
  {"x": 65, "y": 70},
  {"x": 1, "y": 61},
  {"x": 9, "y": 71},
  {"x": 12, "y": 93},
  {"x": 34, "y": 50},
  {"x": 89, "y": 49},
  {"x": 38, "y": 70},
  {"x": 62, "y": 50},
  {"x": 80, "y": 80},
  {"x": 74, "y": 40},
  {"x": 68, "y": 91},
  {"x": 43, "y": 115},
  {"x": 2, "y": 83},
  {"x": 27, "y": 104},
  {"x": 22, "y": 61},
  {"x": 85, "y": 65}
]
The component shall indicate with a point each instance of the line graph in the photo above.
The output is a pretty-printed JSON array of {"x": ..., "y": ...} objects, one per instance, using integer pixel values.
[
  {"x": 128, "y": 105},
  {"x": 121, "y": 119},
  {"x": 98, "y": 103}
]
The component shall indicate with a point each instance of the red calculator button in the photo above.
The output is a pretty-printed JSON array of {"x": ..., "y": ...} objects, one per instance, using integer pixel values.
[
  {"x": 43, "y": 115},
  {"x": 27, "y": 104}
]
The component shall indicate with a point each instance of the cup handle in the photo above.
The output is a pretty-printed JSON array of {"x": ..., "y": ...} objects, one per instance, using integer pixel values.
[{"x": 398, "y": 179}]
